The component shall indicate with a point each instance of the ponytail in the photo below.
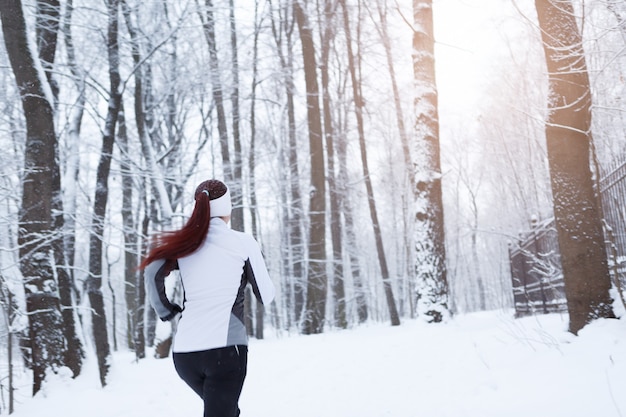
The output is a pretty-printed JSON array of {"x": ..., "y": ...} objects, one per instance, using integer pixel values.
[{"x": 179, "y": 243}]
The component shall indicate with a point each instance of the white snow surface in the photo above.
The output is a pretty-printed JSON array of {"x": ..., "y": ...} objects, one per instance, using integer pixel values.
[{"x": 482, "y": 364}]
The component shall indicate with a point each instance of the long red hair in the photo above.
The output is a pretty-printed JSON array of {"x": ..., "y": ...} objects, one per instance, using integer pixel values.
[{"x": 178, "y": 243}]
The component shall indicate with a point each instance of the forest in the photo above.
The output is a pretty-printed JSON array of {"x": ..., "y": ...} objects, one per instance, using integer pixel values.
[{"x": 388, "y": 156}]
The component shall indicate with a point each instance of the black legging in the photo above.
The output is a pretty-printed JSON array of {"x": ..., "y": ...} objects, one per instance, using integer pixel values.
[{"x": 217, "y": 376}]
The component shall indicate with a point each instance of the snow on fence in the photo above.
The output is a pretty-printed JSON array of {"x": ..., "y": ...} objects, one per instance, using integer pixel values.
[
  {"x": 536, "y": 271},
  {"x": 613, "y": 192},
  {"x": 535, "y": 262}
]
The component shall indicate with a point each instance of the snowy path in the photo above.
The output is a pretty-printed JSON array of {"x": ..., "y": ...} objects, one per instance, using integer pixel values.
[{"x": 483, "y": 365}]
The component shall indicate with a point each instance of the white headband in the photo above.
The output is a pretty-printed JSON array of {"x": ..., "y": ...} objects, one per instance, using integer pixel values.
[{"x": 221, "y": 206}]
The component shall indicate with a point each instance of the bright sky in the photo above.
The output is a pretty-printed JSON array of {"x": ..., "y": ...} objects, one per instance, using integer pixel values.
[{"x": 470, "y": 41}]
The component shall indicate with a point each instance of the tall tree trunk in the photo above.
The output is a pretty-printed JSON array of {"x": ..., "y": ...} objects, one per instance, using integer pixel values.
[
  {"x": 383, "y": 30},
  {"x": 48, "y": 16},
  {"x": 351, "y": 239},
  {"x": 156, "y": 175},
  {"x": 94, "y": 281},
  {"x": 41, "y": 176},
  {"x": 252, "y": 154},
  {"x": 577, "y": 213},
  {"x": 358, "y": 105},
  {"x": 217, "y": 90},
  {"x": 237, "y": 219},
  {"x": 150, "y": 314},
  {"x": 72, "y": 170},
  {"x": 316, "y": 272},
  {"x": 130, "y": 238},
  {"x": 336, "y": 232},
  {"x": 295, "y": 209},
  {"x": 430, "y": 265}
]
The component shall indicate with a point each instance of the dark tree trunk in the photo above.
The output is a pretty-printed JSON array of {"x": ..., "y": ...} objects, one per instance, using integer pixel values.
[
  {"x": 41, "y": 176},
  {"x": 150, "y": 314},
  {"x": 94, "y": 281},
  {"x": 252, "y": 156},
  {"x": 47, "y": 29},
  {"x": 351, "y": 239},
  {"x": 316, "y": 273},
  {"x": 577, "y": 213},
  {"x": 430, "y": 265},
  {"x": 358, "y": 105},
  {"x": 132, "y": 277},
  {"x": 130, "y": 237},
  {"x": 295, "y": 210},
  {"x": 336, "y": 226},
  {"x": 236, "y": 188},
  {"x": 218, "y": 93},
  {"x": 48, "y": 13},
  {"x": 408, "y": 267}
]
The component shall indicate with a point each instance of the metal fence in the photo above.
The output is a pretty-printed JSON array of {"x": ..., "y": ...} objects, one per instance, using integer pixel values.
[
  {"x": 535, "y": 262},
  {"x": 613, "y": 192},
  {"x": 536, "y": 271}
]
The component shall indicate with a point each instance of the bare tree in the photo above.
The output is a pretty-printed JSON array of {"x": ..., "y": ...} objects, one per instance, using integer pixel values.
[
  {"x": 252, "y": 157},
  {"x": 72, "y": 163},
  {"x": 316, "y": 272},
  {"x": 577, "y": 213},
  {"x": 47, "y": 21},
  {"x": 327, "y": 34},
  {"x": 237, "y": 220},
  {"x": 41, "y": 176},
  {"x": 282, "y": 30},
  {"x": 94, "y": 281},
  {"x": 430, "y": 265},
  {"x": 358, "y": 105},
  {"x": 208, "y": 24}
]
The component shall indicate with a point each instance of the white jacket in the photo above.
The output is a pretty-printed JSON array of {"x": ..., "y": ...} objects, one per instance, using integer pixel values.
[{"x": 213, "y": 278}]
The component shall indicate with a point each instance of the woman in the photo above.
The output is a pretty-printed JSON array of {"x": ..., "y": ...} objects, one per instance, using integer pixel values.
[{"x": 216, "y": 263}]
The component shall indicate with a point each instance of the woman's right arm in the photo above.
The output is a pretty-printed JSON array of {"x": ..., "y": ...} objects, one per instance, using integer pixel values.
[
  {"x": 256, "y": 273},
  {"x": 155, "y": 274}
]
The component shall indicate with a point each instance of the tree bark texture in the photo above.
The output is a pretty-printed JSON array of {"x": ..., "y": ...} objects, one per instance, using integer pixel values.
[
  {"x": 41, "y": 176},
  {"x": 260, "y": 311},
  {"x": 218, "y": 93},
  {"x": 430, "y": 266},
  {"x": 336, "y": 226},
  {"x": 315, "y": 312},
  {"x": 236, "y": 188},
  {"x": 577, "y": 213},
  {"x": 69, "y": 295},
  {"x": 94, "y": 281},
  {"x": 48, "y": 16},
  {"x": 47, "y": 29},
  {"x": 130, "y": 236},
  {"x": 283, "y": 32}
]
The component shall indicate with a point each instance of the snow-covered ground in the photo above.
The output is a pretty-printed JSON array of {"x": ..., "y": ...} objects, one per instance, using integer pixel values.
[{"x": 482, "y": 365}]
